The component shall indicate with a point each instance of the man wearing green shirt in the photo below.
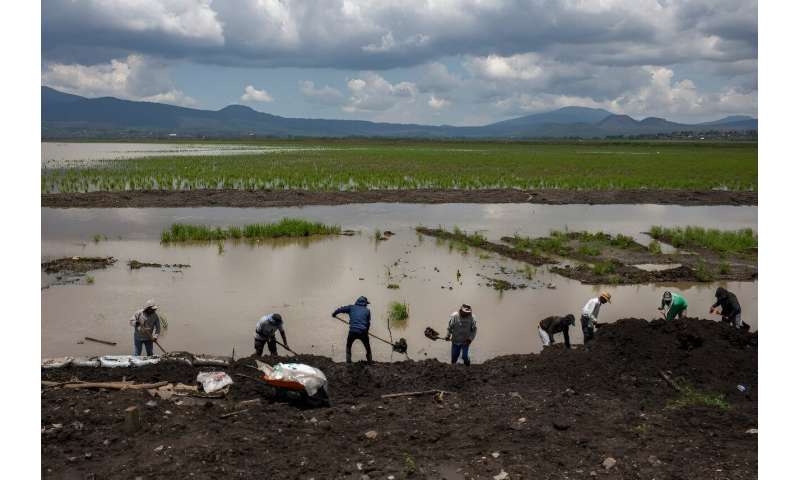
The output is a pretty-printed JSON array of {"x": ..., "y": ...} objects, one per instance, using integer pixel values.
[{"x": 675, "y": 305}]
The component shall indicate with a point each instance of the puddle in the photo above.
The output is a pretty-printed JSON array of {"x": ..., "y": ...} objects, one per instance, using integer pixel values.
[
  {"x": 213, "y": 306},
  {"x": 656, "y": 267}
]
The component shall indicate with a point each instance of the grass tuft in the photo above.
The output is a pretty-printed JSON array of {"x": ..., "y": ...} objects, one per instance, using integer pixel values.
[
  {"x": 398, "y": 311},
  {"x": 286, "y": 227},
  {"x": 720, "y": 241}
]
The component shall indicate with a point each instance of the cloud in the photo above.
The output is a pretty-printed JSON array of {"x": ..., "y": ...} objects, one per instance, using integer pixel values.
[
  {"x": 369, "y": 35},
  {"x": 252, "y": 94},
  {"x": 323, "y": 96},
  {"x": 372, "y": 93},
  {"x": 438, "y": 103},
  {"x": 134, "y": 78}
]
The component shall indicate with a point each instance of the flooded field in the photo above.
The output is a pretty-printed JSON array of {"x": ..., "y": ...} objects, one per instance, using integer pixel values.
[
  {"x": 212, "y": 306},
  {"x": 82, "y": 154}
]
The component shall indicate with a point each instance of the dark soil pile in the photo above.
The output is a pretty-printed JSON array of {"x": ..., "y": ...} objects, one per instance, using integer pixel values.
[
  {"x": 559, "y": 414},
  {"x": 77, "y": 264},
  {"x": 289, "y": 198}
]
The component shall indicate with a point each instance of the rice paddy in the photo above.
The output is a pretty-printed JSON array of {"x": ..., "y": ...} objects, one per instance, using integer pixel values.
[
  {"x": 286, "y": 227},
  {"x": 376, "y": 164},
  {"x": 720, "y": 241}
]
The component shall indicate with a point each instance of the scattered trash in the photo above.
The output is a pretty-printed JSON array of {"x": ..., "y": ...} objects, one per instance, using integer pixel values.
[
  {"x": 503, "y": 475},
  {"x": 609, "y": 463},
  {"x": 372, "y": 434},
  {"x": 741, "y": 388},
  {"x": 495, "y": 454},
  {"x": 213, "y": 381},
  {"x": 752, "y": 431}
]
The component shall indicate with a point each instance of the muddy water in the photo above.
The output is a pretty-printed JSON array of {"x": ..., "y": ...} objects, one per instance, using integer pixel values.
[
  {"x": 66, "y": 154},
  {"x": 213, "y": 305}
]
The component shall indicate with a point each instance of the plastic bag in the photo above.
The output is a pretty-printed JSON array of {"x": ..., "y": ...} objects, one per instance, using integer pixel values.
[
  {"x": 213, "y": 381},
  {"x": 201, "y": 360},
  {"x": 86, "y": 362},
  {"x": 115, "y": 361},
  {"x": 141, "y": 361},
  {"x": 311, "y": 379},
  {"x": 56, "y": 362}
]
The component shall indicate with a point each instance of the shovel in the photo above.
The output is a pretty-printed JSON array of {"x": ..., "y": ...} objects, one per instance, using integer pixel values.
[
  {"x": 400, "y": 346},
  {"x": 150, "y": 337},
  {"x": 287, "y": 348},
  {"x": 433, "y": 334}
]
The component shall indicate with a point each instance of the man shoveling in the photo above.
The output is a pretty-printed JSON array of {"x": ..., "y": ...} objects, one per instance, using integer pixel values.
[
  {"x": 359, "y": 326},
  {"x": 461, "y": 329},
  {"x": 555, "y": 324},
  {"x": 146, "y": 328},
  {"x": 265, "y": 334},
  {"x": 589, "y": 315},
  {"x": 675, "y": 305},
  {"x": 731, "y": 310}
]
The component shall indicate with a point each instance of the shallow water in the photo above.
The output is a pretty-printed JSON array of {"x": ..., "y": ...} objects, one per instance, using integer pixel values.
[
  {"x": 74, "y": 154},
  {"x": 213, "y": 305}
]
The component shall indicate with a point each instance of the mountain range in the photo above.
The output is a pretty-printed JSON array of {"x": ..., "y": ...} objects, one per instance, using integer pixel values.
[{"x": 71, "y": 116}]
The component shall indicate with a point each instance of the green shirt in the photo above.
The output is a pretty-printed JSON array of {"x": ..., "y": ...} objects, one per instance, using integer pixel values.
[{"x": 677, "y": 306}]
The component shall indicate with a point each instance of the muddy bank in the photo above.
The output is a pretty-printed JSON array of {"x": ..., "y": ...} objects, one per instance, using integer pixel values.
[
  {"x": 136, "y": 265},
  {"x": 560, "y": 414},
  {"x": 77, "y": 264},
  {"x": 478, "y": 242},
  {"x": 290, "y": 198}
]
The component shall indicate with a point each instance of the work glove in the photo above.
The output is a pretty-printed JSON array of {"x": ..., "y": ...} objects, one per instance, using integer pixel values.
[
  {"x": 711, "y": 310},
  {"x": 469, "y": 342},
  {"x": 155, "y": 336},
  {"x": 447, "y": 338}
]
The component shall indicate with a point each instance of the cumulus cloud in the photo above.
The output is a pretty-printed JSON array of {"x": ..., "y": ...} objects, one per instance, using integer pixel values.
[
  {"x": 364, "y": 34},
  {"x": 325, "y": 95},
  {"x": 252, "y": 94},
  {"x": 437, "y": 103},
  {"x": 134, "y": 78},
  {"x": 372, "y": 93}
]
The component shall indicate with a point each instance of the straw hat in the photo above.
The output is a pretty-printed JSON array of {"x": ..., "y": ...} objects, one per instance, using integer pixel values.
[{"x": 606, "y": 296}]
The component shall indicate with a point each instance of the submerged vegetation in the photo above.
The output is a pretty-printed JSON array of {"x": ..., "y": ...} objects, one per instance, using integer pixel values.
[
  {"x": 398, "y": 311},
  {"x": 365, "y": 165},
  {"x": 286, "y": 227},
  {"x": 565, "y": 243},
  {"x": 720, "y": 241}
]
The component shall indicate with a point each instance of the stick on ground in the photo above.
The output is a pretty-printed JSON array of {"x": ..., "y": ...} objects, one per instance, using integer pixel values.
[{"x": 413, "y": 394}]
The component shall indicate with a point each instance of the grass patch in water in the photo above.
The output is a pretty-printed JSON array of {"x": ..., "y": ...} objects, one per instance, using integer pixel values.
[
  {"x": 720, "y": 241},
  {"x": 286, "y": 227},
  {"x": 655, "y": 247},
  {"x": 398, "y": 311}
]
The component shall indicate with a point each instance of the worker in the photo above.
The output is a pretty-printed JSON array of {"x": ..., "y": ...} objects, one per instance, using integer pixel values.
[
  {"x": 555, "y": 324},
  {"x": 675, "y": 305},
  {"x": 265, "y": 333},
  {"x": 146, "y": 328},
  {"x": 461, "y": 330},
  {"x": 731, "y": 310},
  {"x": 359, "y": 325},
  {"x": 589, "y": 315}
]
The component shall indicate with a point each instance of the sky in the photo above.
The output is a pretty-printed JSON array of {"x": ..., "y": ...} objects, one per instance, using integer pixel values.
[{"x": 467, "y": 62}]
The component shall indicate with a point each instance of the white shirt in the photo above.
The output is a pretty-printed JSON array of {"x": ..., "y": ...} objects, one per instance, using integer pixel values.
[{"x": 592, "y": 308}]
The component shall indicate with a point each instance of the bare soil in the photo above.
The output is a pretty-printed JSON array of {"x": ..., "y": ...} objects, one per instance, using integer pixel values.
[
  {"x": 288, "y": 198},
  {"x": 556, "y": 415}
]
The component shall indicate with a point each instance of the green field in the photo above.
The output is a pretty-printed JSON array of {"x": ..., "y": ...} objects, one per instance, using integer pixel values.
[{"x": 363, "y": 165}]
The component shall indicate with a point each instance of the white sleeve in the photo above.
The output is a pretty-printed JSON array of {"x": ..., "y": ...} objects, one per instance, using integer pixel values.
[{"x": 588, "y": 309}]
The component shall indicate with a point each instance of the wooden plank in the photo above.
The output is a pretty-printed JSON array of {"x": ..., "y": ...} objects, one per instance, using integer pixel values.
[
  {"x": 97, "y": 340},
  {"x": 413, "y": 394}
]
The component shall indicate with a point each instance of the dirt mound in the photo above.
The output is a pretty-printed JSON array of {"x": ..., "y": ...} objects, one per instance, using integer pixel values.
[
  {"x": 77, "y": 264},
  {"x": 555, "y": 415},
  {"x": 289, "y": 198}
]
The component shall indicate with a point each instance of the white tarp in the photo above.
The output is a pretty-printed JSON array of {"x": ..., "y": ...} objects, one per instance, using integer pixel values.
[
  {"x": 312, "y": 379},
  {"x": 141, "y": 361},
  {"x": 56, "y": 362},
  {"x": 86, "y": 362},
  {"x": 115, "y": 361},
  {"x": 213, "y": 381}
]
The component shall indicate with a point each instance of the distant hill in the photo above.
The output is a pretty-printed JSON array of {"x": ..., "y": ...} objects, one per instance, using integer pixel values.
[{"x": 72, "y": 116}]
